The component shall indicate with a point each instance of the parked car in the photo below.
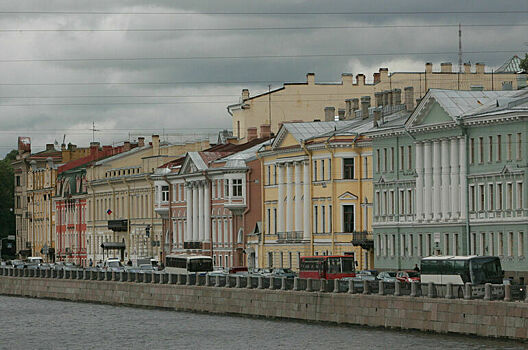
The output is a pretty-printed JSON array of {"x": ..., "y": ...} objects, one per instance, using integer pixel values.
[
  {"x": 408, "y": 276},
  {"x": 288, "y": 273},
  {"x": 387, "y": 276},
  {"x": 113, "y": 264},
  {"x": 217, "y": 273},
  {"x": 366, "y": 275},
  {"x": 45, "y": 266}
]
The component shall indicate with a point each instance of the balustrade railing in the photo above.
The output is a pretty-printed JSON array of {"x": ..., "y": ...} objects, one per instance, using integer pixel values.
[{"x": 491, "y": 292}]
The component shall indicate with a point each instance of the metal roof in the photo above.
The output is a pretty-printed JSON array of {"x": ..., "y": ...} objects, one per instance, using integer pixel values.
[
  {"x": 304, "y": 131},
  {"x": 458, "y": 103},
  {"x": 510, "y": 66}
]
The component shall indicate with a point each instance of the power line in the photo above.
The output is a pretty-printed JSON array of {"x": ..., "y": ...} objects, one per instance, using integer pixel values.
[
  {"x": 341, "y": 13},
  {"x": 262, "y": 28},
  {"x": 246, "y": 57}
]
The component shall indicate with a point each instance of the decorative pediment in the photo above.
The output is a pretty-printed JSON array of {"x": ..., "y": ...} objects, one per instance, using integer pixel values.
[
  {"x": 188, "y": 166},
  {"x": 381, "y": 180},
  {"x": 429, "y": 112},
  {"x": 347, "y": 196}
]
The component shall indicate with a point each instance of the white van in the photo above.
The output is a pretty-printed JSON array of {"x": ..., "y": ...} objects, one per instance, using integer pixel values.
[{"x": 35, "y": 260}]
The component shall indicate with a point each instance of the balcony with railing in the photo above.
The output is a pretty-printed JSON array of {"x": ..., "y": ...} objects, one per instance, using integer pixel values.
[
  {"x": 287, "y": 237},
  {"x": 363, "y": 239}
]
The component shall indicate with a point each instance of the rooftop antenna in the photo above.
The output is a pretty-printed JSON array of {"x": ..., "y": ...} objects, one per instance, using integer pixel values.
[
  {"x": 459, "y": 48},
  {"x": 93, "y": 131}
]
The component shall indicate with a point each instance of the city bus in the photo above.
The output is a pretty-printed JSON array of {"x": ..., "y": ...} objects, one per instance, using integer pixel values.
[
  {"x": 327, "y": 267},
  {"x": 185, "y": 264},
  {"x": 458, "y": 270}
]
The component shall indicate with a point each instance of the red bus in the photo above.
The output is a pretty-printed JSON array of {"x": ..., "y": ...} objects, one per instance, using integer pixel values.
[{"x": 328, "y": 267}]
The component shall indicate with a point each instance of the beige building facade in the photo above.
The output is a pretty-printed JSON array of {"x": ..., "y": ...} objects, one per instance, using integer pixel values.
[
  {"x": 121, "y": 220},
  {"x": 306, "y": 101}
]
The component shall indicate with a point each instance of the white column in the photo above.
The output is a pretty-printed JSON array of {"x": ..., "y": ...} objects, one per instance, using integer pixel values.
[
  {"x": 207, "y": 211},
  {"x": 463, "y": 179},
  {"x": 280, "y": 199},
  {"x": 445, "y": 180},
  {"x": 188, "y": 234},
  {"x": 298, "y": 198},
  {"x": 196, "y": 218},
  {"x": 289, "y": 198},
  {"x": 201, "y": 211},
  {"x": 428, "y": 179},
  {"x": 307, "y": 202},
  {"x": 437, "y": 180},
  {"x": 419, "y": 181},
  {"x": 455, "y": 173}
]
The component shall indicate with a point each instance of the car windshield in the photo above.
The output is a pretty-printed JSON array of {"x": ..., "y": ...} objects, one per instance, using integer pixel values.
[
  {"x": 413, "y": 274},
  {"x": 198, "y": 265},
  {"x": 390, "y": 274}
]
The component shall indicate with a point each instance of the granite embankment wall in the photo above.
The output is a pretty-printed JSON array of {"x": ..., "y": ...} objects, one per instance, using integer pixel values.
[{"x": 476, "y": 317}]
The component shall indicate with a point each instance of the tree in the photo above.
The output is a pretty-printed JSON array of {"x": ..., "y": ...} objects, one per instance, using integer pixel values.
[
  {"x": 524, "y": 63},
  {"x": 7, "y": 214}
]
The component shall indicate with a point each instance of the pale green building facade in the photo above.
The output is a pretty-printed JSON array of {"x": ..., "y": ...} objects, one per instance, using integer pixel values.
[{"x": 451, "y": 179}]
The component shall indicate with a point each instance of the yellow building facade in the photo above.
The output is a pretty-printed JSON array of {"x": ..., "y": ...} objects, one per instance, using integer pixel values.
[
  {"x": 317, "y": 194},
  {"x": 41, "y": 216},
  {"x": 305, "y": 101}
]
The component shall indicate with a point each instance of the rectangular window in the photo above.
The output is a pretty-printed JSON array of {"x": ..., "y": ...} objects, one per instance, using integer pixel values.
[
  {"x": 481, "y": 150},
  {"x": 17, "y": 179},
  {"x": 509, "y": 196},
  {"x": 401, "y": 209},
  {"x": 323, "y": 218},
  {"x": 164, "y": 193},
  {"x": 365, "y": 168},
  {"x": 269, "y": 220},
  {"x": 316, "y": 219},
  {"x": 472, "y": 198},
  {"x": 409, "y": 202},
  {"x": 519, "y": 146},
  {"x": 455, "y": 244},
  {"x": 385, "y": 159},
  {"x": 482, "y": 243},
  {"x": 348, "y": 218},
  {"x": 490, "y": 149},
  {"x": 393, "y": 245},
  {"x": 520, "y": 244},
  {"x": 269, "y": 174},
  {"x": 330, "y": 218},
  {"x": 270, "y": 259},
  {"x": 491, "y": 244},
  {"x": 411, "y": 245},
  {"x": 482, "y": 198},
  {"x": 315, "y": 170},
  {"x": 471, "y": 150},
  {"x": 509, "y": 147},
  {"x": 329, "y": 169},
  {"x": 409, "y": 157},
  {"x": 378, "y": 203},
  {"x": 391, "y": 202},
  {"x": 446, "y": 243},
  {"x": 401, "y": 158},
  {"x": 510, "y": 244},
  {"x": 520, "y": 195},
  {"x": 281, "y": 259},
  {"x": 275, "y": 174},
  {"x": 378, "y": 161},
  {"x": 237, "y": 187},
  {"x": 226, "y": 188},
  {"x": 274, "y": 220},
  {"x": 499, "y": 196},
  {"x": 392, "y": 159},
  {"x": 500, "y": 242},
  {"x": 499, "y": 148},
  {"x": 348, "y": 168},
  {"x": 322, "y": 169},
  {"x": 420, "y": 244},
  {"x": 491, "y": 192},
  {"x": 403, "y": 246}
]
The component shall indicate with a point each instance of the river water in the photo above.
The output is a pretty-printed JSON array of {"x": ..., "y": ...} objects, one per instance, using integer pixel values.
[{"x": 48, "y": 324}]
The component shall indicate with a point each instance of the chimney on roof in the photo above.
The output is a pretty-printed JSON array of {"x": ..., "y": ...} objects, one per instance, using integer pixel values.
[
  {"x": 365, "y": 104},
  {"x": 378, "y": 96},
  {"x": 384, "y": 74},
  {"x": 428, "y": 67},
  {"x": 329, "y": 113},
  {"x": 251, "y": 133},
  {"x": 348, "y": 108},
  {"x": 446, "y": 67},
  {"x": 377, "y": 117},
  {"x": 24, "y": 144},
  {"x": 360, "y": 79},
  {"x": 409, "y": 98},
  {"x": 310, "y": 78},
  {"x": 126, "y": 146},
  {"x": 71, "y": 147},
  {"x": 341, "y": 113},
  {"x": 355, "y": 104},
  {"x": 479, "y": 67},
  {"x": 396, "y": 97},
  {"x": 347, "y": 78},
  {"x": 94, "y": 147},
  {"x": 63, "y": 147},
  {"x": 155, "y": 145},
  {"x": 49, "y": 162},
  {"x": 50, "y": 147},
  {"x": 467, "y": 68},
  {"x": 141, "y": 141},
  {"x": 376, "y": 78},
  {"x": 265, "y": 131},
  {"x": 245, "y": 94}
]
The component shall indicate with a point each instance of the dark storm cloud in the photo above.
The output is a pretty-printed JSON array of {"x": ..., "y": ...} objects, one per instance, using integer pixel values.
[{"x": 186, "y": 113}]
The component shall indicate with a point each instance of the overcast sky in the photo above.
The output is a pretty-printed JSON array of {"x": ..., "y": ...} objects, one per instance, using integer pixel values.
[{"x": 200, "y": 107}]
